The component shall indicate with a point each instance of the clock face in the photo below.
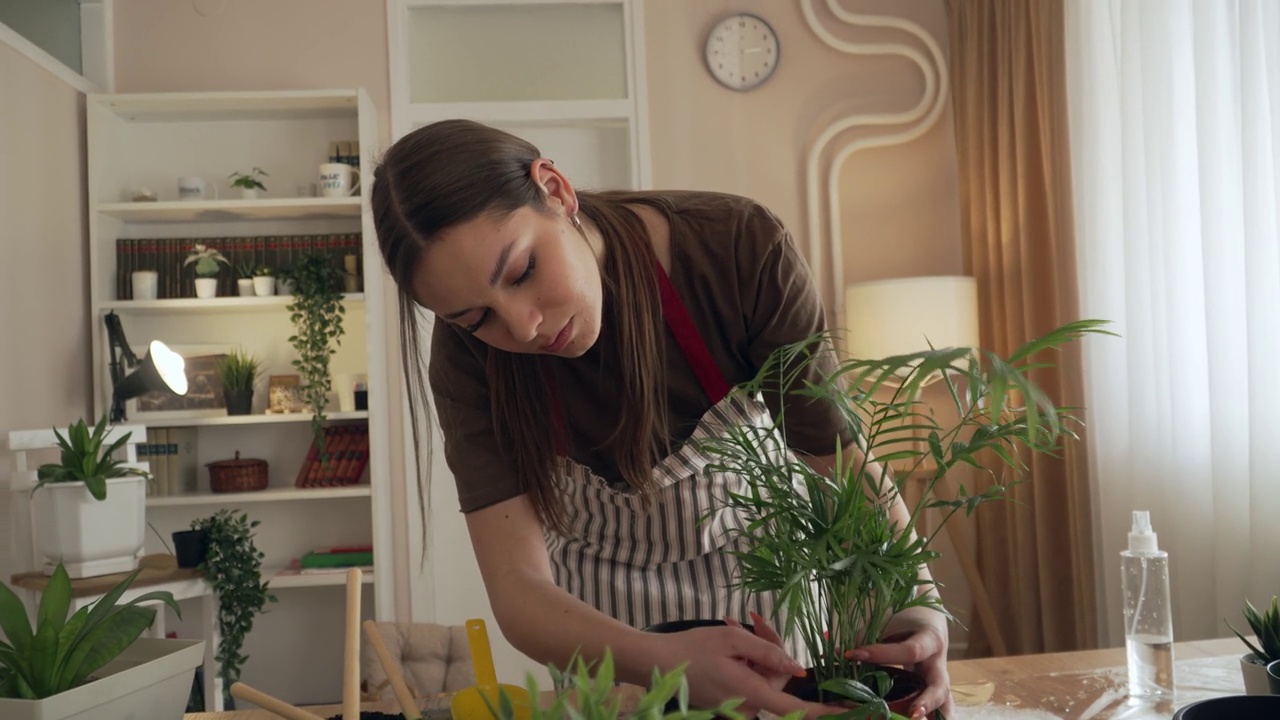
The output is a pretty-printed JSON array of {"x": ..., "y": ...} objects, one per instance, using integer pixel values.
[{"x": 742, "y": 51}]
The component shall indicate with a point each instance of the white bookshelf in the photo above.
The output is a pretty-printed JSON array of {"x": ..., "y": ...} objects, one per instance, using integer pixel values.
[
  {"x": 148, "y": 140},
  {"x": 234, "y": 304},
  {"x": 283, "y": 579},
  {"x": 566, "y": 75},
  {"x": 284, "y": 495},
  {"x": 299, "y": 208}
]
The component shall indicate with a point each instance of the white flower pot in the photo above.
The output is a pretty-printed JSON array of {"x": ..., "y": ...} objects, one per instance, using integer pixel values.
[
  {"x": 1255, "y": 675},
  {"x": 206, "y": 287},
  {"x": 264, "y": 285},
  {"x": 150, "y": 679},
  {"x": 249, "y": 193},
  {"x": 92, "y": 537},
  {"x": 245, "y": 286},
  {"x": 144, "y": 284}
]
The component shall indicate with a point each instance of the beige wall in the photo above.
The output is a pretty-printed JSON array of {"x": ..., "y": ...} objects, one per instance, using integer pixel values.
[
  {"x": 165, "y": 45},
  {"x": 900, "y": 204},
  {"x": 44, "y": 298}
]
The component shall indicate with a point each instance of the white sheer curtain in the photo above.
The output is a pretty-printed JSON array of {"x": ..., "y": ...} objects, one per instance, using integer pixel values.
[{"x": 1175, "y": 132}]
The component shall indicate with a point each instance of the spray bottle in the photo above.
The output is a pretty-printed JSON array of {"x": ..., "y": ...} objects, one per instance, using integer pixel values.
[{"x": 1148, "y": 619}]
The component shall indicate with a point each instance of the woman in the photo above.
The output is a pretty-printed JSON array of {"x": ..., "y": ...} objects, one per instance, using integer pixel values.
[{"x": 580, "y": 341}]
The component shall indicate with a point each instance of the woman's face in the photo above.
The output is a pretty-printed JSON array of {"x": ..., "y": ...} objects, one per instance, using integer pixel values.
[{"x": 526, "y": 283}]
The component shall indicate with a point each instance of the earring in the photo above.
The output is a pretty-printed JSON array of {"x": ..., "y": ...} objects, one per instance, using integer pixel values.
[{"x": 576, "y": 222}]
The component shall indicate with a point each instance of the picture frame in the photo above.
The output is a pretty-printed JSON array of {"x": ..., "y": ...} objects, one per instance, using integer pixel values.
[
  {"x": 284, "y": 395},
  {"x": 204, "y": 389}
]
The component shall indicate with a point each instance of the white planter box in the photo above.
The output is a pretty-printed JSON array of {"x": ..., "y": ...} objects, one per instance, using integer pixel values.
[
  {"x": 90, "y": 537},
  {"x": 152, "y": 679}
]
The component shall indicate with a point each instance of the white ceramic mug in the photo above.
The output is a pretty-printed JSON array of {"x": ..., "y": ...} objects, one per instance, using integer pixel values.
[
  {"x": 193, "y": 187},
  {"x": 338, "y": 180}
]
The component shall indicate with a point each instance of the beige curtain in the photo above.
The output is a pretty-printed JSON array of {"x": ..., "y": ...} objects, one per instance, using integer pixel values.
[{"x": 1008, "y": 73}]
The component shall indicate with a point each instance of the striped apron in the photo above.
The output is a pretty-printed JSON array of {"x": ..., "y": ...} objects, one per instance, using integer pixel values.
[{"x": 645, "y": 565}]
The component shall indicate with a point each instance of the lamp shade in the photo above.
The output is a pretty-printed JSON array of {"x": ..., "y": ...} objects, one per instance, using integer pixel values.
[
  {"x": 909, "y": 315},
  {"x": 162, "y": 369}
]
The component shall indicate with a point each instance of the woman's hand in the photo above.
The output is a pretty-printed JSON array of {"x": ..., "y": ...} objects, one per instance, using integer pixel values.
[
  {"x": 729, "y": 662},
  {"x": 917, "y": 639}
]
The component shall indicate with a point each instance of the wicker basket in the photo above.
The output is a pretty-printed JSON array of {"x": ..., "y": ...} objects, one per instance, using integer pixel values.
[{"x": 237, "y": 475}]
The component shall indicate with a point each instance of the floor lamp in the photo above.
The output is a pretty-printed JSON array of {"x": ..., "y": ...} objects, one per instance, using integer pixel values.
[{"x": 907, "y": 315}]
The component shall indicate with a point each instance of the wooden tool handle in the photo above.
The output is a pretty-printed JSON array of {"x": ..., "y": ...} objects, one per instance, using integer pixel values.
[
  {"x": 241, "y": 691},
  {"x": 408, "y": 705},
  {"x": 351, "y": 656}
]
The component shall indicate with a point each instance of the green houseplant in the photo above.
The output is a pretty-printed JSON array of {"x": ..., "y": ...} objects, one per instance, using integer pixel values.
[
  {"x": 207, "y": 262},
  {"x": 62, "y": 651},
  {"x": 237, "y": 371},
  {"x": 825, "y": 543},
  {"x": 248, "y": 183},
  {"x": 1266, "y": 629},
  {"x": 233, "y": 567},
  {"x": 90, "y": 505},
  {"x": 86, "y": 460},
  {"x": 588, "y": 693},
  {"x": 91, "y": 662},
  {"x": 316, "y": 312}
]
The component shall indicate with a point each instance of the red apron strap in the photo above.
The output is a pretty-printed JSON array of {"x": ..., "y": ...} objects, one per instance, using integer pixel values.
[{"x": 690, "y": 340}]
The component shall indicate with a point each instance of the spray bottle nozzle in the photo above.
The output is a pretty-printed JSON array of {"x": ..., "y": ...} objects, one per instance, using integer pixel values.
[{"x": 1142, "y": 538}]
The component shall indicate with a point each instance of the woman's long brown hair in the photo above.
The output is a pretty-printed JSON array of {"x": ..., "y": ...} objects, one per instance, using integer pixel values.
[{"x": 454, "y": 171}]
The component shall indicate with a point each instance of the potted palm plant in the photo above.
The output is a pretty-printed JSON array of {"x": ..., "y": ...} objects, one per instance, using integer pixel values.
[
  {"x": 824, "y": 543},
  {"x": 1266, "y": 629},
  {"x": 237, "y": 371},
  {"x": 90, "y": 506},
  {"x": 93, "y": 662}
]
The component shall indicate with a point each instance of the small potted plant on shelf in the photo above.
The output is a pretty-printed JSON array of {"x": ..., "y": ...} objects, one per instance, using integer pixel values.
[
  {"x": 56, "y": 669},
  {"x": 89, "y": 506},
  {"x": 249, "y": 183},
  {"x": 237, "y": 371},
  {"x": 1266, "y": 629},
  {"x": 244, "y": 279},
  {"x": 317, "y": 313},
  {"x": 264, "y": 281},
  {"x": 824, "y": 543},
  {"x": 233, "y": 567},
  {"x": 206, "y": 260}
]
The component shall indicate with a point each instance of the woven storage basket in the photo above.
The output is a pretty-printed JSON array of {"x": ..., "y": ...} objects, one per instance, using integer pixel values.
[{"x": 237, "y": 475}]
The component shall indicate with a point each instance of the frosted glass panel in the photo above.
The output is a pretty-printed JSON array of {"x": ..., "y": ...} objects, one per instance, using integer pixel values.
[
  {"x": 593, "y": 157},
  {"x": 507, "y": 53}
]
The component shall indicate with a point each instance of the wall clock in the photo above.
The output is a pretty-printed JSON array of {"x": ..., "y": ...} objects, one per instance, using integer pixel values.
[{"x": 742, "y": 51}]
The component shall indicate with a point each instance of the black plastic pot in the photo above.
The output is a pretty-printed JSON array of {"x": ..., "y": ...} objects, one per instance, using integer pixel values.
[
  {"x": 190, "y": 547},
  {"x": 1231, "y": 707},
  {"x": 906, "y": 684},
  {"x": 239, "y": 402}
]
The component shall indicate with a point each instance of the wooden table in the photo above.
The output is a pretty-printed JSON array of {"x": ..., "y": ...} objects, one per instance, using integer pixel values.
[{"x": 1086, "y": 685}]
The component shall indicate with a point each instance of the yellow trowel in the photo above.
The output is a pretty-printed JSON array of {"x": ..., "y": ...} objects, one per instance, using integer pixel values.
[{"x": 469, "y": 703}]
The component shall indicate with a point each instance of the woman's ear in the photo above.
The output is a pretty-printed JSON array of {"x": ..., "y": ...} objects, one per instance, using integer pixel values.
[{"x": 555, "y": 186}]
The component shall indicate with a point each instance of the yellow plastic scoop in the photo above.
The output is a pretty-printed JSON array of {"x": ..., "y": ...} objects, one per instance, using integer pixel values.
[{"x": 469, "y": 703}]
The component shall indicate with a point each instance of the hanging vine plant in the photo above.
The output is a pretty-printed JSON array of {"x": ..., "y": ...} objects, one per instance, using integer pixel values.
[
  {"x": 316, "y": 312},
  {"x": 233, "y": 567}
]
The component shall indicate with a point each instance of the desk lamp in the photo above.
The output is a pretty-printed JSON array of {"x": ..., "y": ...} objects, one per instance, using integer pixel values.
[{"x": 161, "y": 369}]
